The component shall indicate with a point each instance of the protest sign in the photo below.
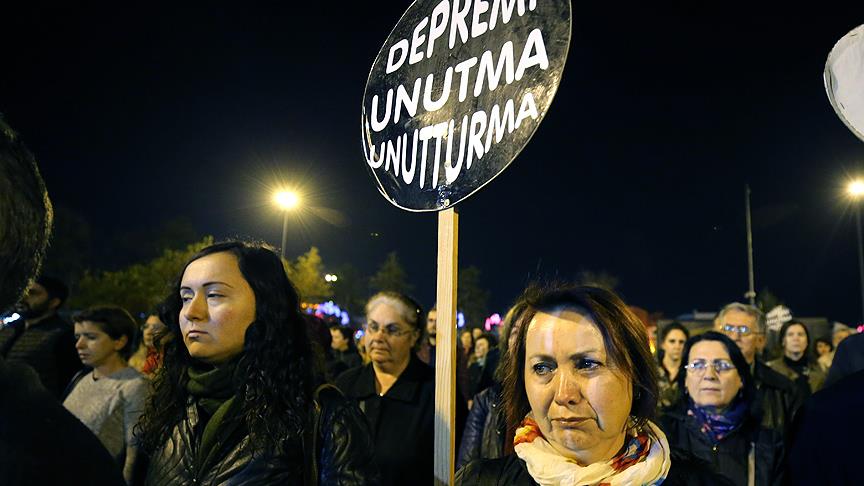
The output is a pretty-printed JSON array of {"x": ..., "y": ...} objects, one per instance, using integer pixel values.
[{"x": 456, "y": 92}]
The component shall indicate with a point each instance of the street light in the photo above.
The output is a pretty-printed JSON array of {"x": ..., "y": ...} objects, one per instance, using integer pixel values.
[
  {"x": 855, "y": 190},
  {"x": 330, "y": 277},
  {"x": 285, "y": 200}
]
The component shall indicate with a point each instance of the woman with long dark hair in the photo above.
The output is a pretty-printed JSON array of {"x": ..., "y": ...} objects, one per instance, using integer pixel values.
[{"x": 235, "y": 400}]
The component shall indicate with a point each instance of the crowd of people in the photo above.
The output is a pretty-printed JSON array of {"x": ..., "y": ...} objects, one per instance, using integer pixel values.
[{"x": 228, "y": 382}]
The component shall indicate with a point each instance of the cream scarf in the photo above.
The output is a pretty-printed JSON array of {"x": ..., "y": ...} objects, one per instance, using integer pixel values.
[{"x": 645, "y": 460}]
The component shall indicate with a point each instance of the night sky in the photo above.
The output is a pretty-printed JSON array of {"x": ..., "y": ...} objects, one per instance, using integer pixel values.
[{"x": 148, "y": 114}]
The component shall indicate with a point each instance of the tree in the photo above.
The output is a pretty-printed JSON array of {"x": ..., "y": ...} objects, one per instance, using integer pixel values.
[
  {"x": 71, "y": 245},
  {"x": 349, "y": 290},
  {"x": 472, "y": 298},
  {"x": 390, "y": 276},
  {"x": 307, "y": 274},
  {"x": 138, "y": 287}
]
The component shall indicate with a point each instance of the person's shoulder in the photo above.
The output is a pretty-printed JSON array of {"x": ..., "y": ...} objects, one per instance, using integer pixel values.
[
  {"x": 351, "y": 381},
  {"x": 773, "y": 378},
  {"x": 507, "y": 470}
]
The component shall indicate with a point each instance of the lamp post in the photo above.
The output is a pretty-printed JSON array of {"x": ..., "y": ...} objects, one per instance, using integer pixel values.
[
  {"x": 285, "y": 200},
  {"x": 855, "y": 190}
]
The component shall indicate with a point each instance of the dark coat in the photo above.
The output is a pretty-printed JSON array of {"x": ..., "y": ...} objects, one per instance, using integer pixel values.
[
  {"x": 730, "y": 457},
  {"x": 344, "y": 453},
  {"x": 402, "y": 421},
  {"x": 485, "y": 429},
  {"x": 512, "y": 471},
  {"x": 48, "y": 347},
  {"x": 848, "y": 359},
  {"x": 41, "y": 442},
  {"x": 777, "y": 398},
  {"x": 828, "y": 435}
]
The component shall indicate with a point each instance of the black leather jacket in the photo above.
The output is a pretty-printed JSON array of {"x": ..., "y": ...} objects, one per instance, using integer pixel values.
[
  {"x": 777, "y": 398},
  {"x": 485, "y": 429},
  {"x": 344, "y": 448}
]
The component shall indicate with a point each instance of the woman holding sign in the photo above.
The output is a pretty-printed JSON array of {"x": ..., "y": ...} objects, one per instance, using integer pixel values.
[
  {"x": 579, "y": 389},
  {"x": 235, "y": 401}
]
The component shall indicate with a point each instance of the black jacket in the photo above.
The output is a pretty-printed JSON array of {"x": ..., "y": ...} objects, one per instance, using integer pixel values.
[
  {"x": 41, "y": 443},
  {"x": 512, "y": 471},
  {"x": 828, "y": 436},
  {"x": 344, "y": 453},
  {"x": 730, "y": 457},
  {"x": 48, "y": 347},
  {"x": 485, "y": 429},
  {"x": 848, "y": 359},
  {"x": 402, "y": 421},
  {"x": 777, "y": 398}
]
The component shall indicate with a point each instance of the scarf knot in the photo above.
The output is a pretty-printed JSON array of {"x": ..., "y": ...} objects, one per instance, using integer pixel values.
[{"x": 644, "y": 459}]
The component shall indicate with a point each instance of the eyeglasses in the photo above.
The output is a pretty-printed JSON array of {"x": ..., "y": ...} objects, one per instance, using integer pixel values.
[
  {"x": 699, "y": 366},
  {"x": 391, "y": 330},
  {"x": 742, "y": 330}
]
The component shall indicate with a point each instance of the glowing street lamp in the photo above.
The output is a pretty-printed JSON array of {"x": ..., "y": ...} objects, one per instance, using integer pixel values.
[
  {"x": 286, "y": 201},
  {"x": 330, "y": 277},
  {"x": 855, "y": 190}
]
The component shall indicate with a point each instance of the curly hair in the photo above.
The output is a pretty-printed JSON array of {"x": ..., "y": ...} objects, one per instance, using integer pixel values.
[
  {"x": 623, "y": 334},
  {"x": 276, "y": 374}
]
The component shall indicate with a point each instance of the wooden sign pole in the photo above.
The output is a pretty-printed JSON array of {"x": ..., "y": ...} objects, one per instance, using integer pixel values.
[{"x": 445, "y": 348}]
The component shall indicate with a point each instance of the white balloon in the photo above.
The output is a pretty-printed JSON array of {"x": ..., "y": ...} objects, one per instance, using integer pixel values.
[{"x": 844, "y": 80}]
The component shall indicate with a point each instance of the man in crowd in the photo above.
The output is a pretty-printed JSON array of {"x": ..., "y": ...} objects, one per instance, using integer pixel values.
[
  {"x": 342, "y": 347},
  {"x": 777, "y": 398},
  {"x": 40, "y": 441},
  {"x": 427, "y": 348},
  {"x": 41, "y": 338}
]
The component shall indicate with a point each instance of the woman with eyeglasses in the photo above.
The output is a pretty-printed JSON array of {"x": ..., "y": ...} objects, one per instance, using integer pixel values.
[
  {"x": 396, "y": 390},
  {"x": 714, "y": 422}
]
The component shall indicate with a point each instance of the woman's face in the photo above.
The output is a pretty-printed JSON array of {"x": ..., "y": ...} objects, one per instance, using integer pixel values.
[
  {"x": 481, "y": 348},
  {"x": 673, "y": 345},
  {"x": 465, "y": 337},
  {"x": 579, "y": 398},
  {"x": 153, "y": 329},
  {"x": 708, "y": 387},
  {"x": 822, "y": 348},
  {"x": 218, "y": 307},
  {"x": 95, "y": 347},
  {"x": 795, "y": 340},
  {"x": 389, "y": 338}
]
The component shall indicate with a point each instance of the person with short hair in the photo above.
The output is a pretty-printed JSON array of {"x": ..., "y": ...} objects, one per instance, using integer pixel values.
[
  {"x": 343, "y": 348},
  {"x": 795, "y": 363},
  {"x": 716, "y": 423},
  {"x": 40, "y": 441},
  {"x": 41, "y": 338},
  {"x": 777, "y": 397},
  {"x": 672, "y": 339},
  {"x": 426, "y": 349},
  {"x": 396, "y": 390},
  {"x": 481, "y": 372},
  {"x": 109, "y": 398},
  {"x": 580, "y": 390}
]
